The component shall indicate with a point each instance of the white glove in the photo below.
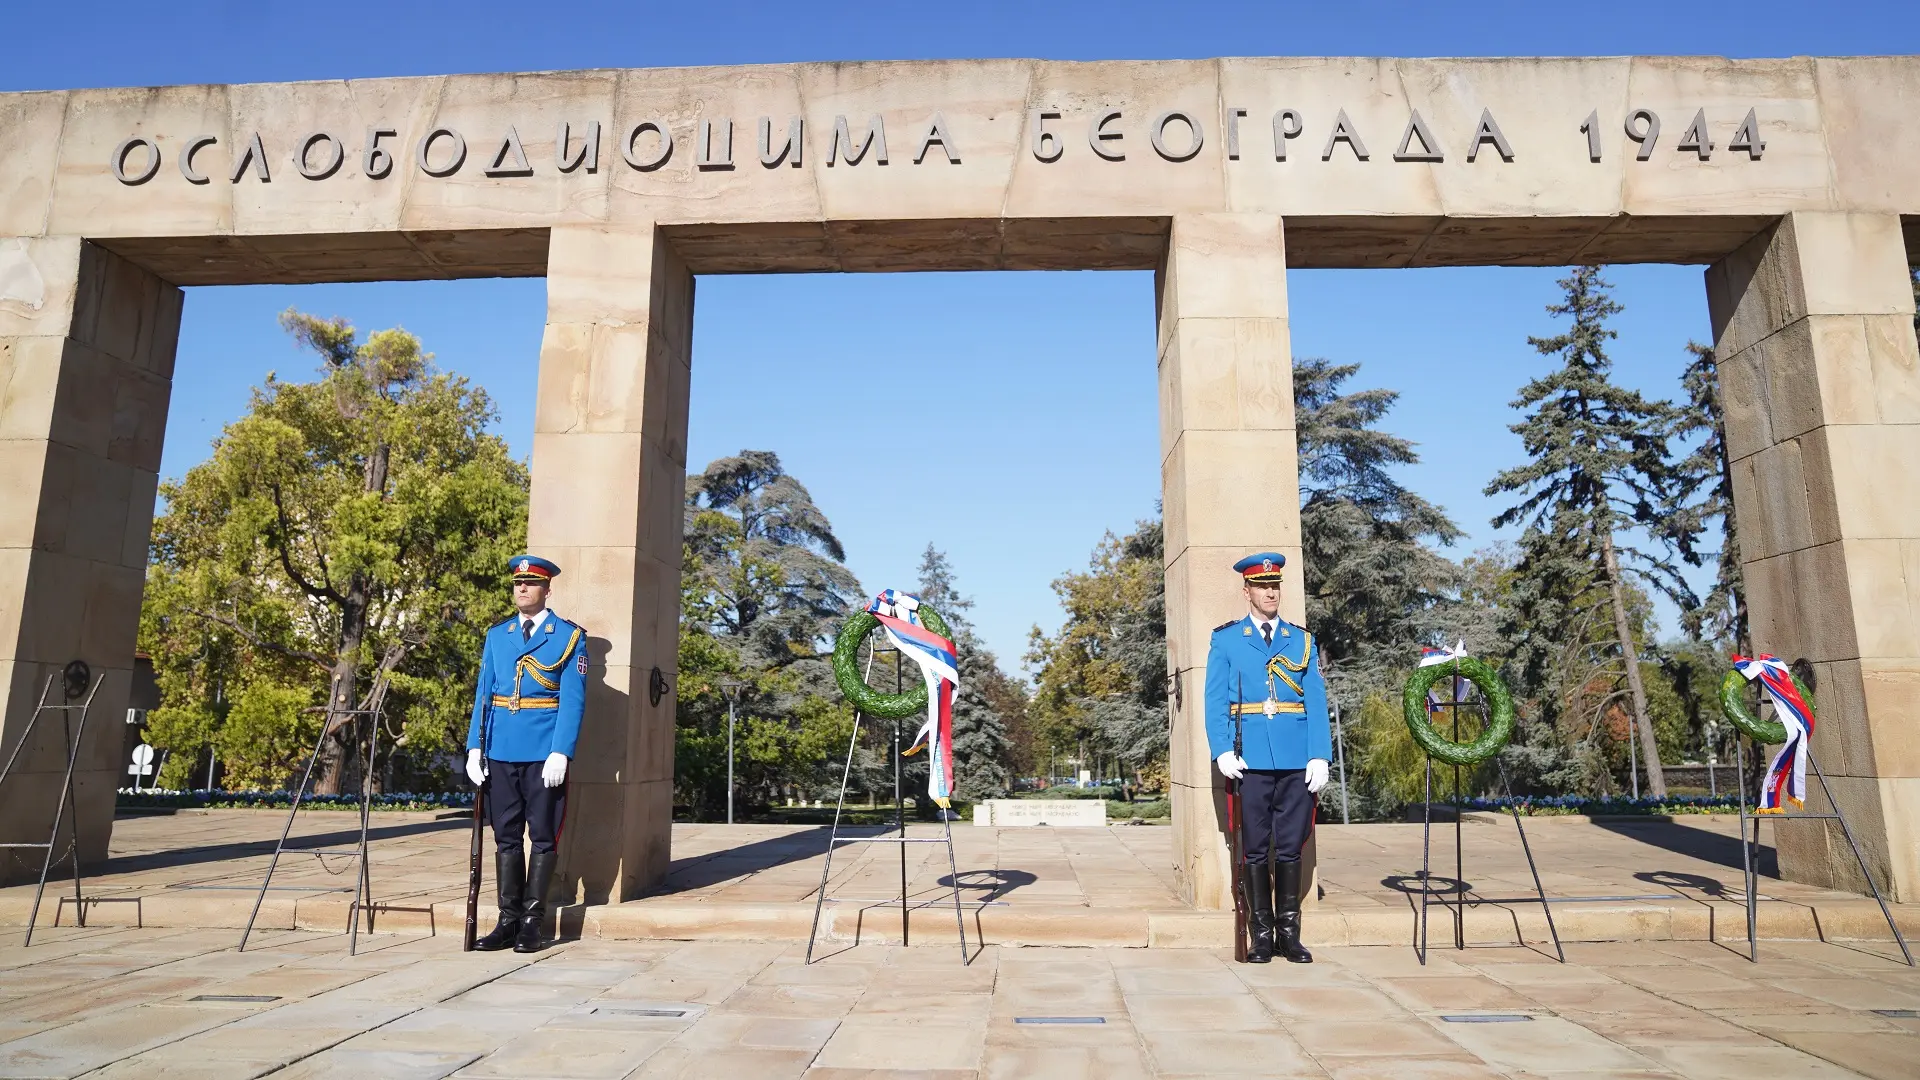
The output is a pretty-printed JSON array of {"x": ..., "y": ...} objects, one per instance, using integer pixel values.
[
  {"x": 1232, "y": 765},
  {"x": 1316, "y": 775},
  {"x": 476, "y": 769},
  {"x": 554, "y": 772}
]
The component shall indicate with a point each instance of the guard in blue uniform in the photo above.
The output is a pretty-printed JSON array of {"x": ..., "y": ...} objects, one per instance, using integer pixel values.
[
  {"x": 527, "y": 707},
  {"x": 1262, "y": 673}
]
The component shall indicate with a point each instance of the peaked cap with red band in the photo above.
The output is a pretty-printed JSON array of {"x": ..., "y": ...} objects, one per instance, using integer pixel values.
[
  {"x": 1261, "y": 569},
  {"x": 533, "y": 568}
]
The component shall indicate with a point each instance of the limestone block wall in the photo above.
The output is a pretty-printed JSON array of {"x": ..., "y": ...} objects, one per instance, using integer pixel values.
[
  {"x": 1820, "y": 374},
  {"x": 86, "y": 365},
  {"x": 609, "y": 485},
  {"x": 963, "y": 164},
  {"x": 1231, "y": 482}
]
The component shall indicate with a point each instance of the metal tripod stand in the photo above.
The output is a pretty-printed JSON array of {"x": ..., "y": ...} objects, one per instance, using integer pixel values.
[
  {"x": 834, "y": 839},
  {"x": 337, "y": 717},
  {"x": 1748, "y": 844},
  {"x": 77, "y": 678},
  {"x": 1461, "y": 902}
]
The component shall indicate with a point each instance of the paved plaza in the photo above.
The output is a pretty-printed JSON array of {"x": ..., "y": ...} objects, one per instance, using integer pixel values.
[
  {"x": 169, "y": 1003},
  {"x": 1023, "y": 886},
  {"x": 707, "y": 976}
]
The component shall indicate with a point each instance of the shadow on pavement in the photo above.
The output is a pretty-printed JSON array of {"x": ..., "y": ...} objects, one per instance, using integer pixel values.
[
  {"x": 1702, "y": 844},
  {"x": 206, "y": 853},
  {"x": 700, "y": 871}
]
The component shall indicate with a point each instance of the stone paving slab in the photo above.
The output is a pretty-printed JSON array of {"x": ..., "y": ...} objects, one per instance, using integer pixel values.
[
  {"x": 195, "y": 871},
  {"x": 1631, "y": 1009}
]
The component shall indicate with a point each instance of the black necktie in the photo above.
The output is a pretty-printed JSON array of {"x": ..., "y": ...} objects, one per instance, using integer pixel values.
[
  {"x": 1266, "y": 631},
  {"x": 526, "y": 631}
]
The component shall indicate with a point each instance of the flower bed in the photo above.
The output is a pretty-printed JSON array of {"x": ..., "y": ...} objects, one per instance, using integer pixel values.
[
  {"x": 203, "y": 799},
  {"x": 1648, "y": 806}
]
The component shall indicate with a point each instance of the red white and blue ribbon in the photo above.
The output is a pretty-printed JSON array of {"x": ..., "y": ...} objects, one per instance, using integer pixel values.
[
  {"x": 1429, "y": 656},
  {"x": 1786, "y": 777},
  {"x": 899, "y": 615}
]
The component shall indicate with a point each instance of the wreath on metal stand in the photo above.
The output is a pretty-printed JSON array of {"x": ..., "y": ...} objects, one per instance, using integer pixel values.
[
  {"x": 846, "y": 668},
  {"x": 1493, "y": 736},
  {"x": 1733, "y": 706}
]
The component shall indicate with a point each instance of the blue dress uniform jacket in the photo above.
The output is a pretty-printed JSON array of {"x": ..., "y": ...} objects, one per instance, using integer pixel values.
[
  {"x": 1242, "y": 669},
  {"x": 530, "y": 695}
]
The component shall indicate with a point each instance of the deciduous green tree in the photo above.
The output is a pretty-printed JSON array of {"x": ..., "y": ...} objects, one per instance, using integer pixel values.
[
  {"x": 1102, "y": 678},
  {"x": 335, "y": 518},
  {"x": 763, "y": 589}
]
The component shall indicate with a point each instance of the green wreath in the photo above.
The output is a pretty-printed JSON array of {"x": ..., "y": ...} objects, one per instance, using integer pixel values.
[
  {"x": 846, "y": 668},
  {"x": 1499, "y": 723},
  {"x": 1733, "y": 706}
]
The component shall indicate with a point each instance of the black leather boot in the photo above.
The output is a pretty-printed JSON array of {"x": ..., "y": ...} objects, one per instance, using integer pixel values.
[
  {"x": 510, "y": 874},
  {"x": 533, "y": 913},
  {"x": 1287, "y": 884},
  {"x": 1258, "y": 878}
]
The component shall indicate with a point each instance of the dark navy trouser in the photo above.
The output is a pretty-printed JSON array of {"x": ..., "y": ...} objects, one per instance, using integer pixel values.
[
  {"x": 1276, "y": 810},
  {"x": 518, "y": 800}
]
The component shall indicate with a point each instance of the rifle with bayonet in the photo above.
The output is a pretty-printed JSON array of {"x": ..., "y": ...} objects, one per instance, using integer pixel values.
[{"x": 1239, "y": 871}]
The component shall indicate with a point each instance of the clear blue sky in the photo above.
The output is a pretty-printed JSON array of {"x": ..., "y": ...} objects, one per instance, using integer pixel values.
[{"x": 1041, "y": 385}]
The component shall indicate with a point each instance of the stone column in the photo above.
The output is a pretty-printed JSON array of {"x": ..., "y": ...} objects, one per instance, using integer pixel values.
[
  {"x": 1230, "y": 479},
  {"x": 1813, "y": 326},
  {"x": 609, "y": 483},
  {"x": 86, "y": 366}
]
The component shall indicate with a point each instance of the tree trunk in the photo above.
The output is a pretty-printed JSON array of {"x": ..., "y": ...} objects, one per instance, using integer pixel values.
[
  {"x": 1649, "y": 748},
  {"x": 345, "y": 680},
  {"x": 332, "y": 767}
]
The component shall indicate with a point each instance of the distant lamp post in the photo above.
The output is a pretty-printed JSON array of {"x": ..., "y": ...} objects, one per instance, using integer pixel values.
[{"x": 731, "y": 688}]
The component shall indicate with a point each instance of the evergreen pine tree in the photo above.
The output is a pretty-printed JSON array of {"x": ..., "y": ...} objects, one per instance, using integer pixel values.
[
  {"x": 980, "y": 748},
  {"x": 1707, "y": 473},
  {"x": 1375, "y": 591},
  {"x": 1598, "y": 465}
]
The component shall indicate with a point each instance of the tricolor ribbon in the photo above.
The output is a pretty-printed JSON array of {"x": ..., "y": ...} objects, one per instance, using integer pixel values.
[
  {"x": 1429, "y": 656},
  {"x": 1787, "y": 774},
  {"x": 899, "y": 615}
]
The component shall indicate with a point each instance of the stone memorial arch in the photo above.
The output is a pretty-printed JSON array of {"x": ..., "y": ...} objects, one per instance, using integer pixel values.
[{"x": 1796, "y": 182}]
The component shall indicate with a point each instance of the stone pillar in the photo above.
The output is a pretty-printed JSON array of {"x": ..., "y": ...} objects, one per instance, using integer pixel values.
[
  {"x": 1230, "y": 481},
  {"x": 609, "y": 485},
  {"x": 86, "y": 366},
  {"x": 1813, "y": 326}
]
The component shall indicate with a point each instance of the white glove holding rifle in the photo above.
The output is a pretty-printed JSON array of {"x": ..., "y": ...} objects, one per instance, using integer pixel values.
[
  {"x": 1232, "y": 765},
  {"x": 476, "y": 768}
]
